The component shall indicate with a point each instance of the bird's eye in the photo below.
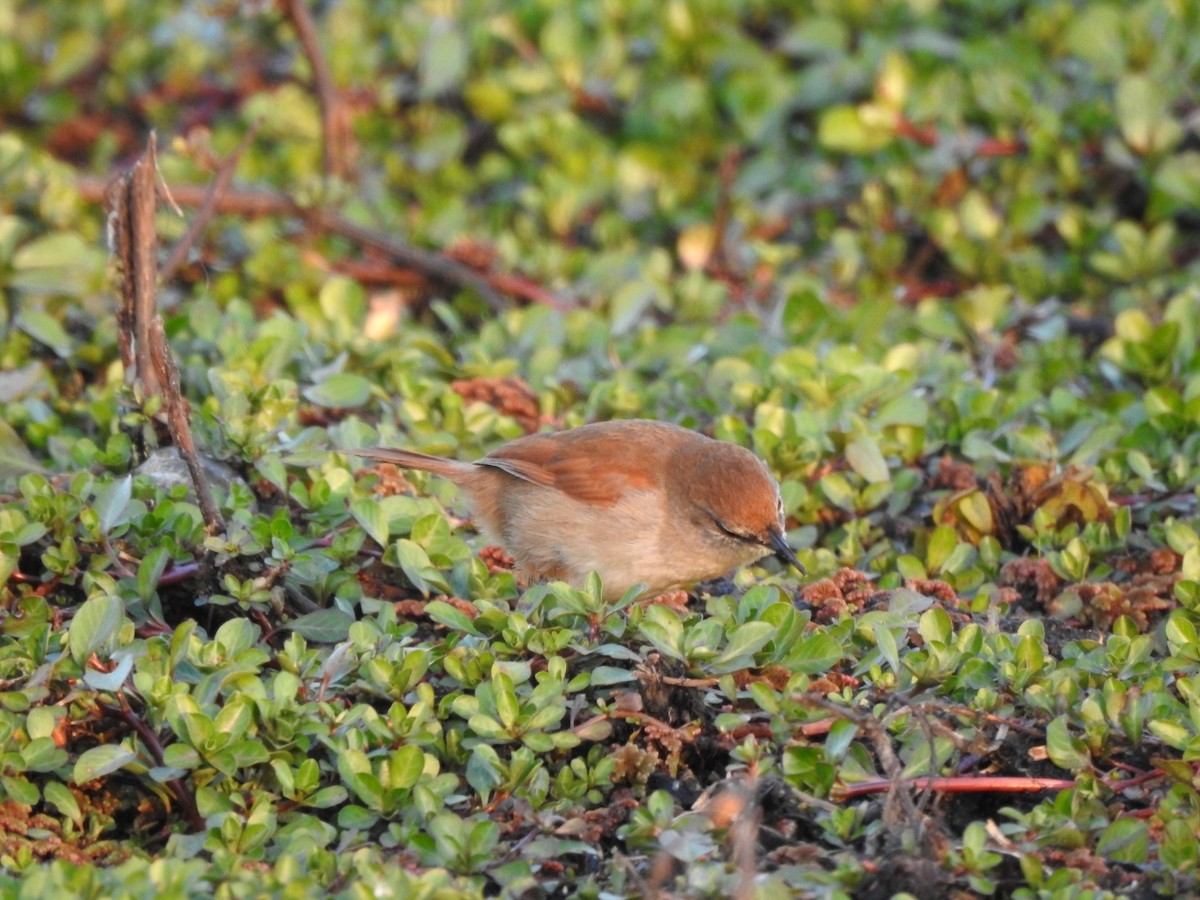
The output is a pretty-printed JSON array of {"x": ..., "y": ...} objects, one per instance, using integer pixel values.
[{"x": 746, "y": 538}]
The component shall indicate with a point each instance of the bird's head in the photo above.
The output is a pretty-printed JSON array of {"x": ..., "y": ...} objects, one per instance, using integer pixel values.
[{"x": 736, "y": 502}]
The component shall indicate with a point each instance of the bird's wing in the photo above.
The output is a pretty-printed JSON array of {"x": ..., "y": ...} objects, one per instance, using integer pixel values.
[
  {"x": 594, "y": 467},
  {"x": 519, "y": 468}
]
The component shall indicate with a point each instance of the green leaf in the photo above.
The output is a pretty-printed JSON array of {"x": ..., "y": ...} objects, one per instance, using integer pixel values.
[
  {"x": 907, "y": 409},
  {"x": 19, "y": 790},
  {"x": 10, "y": 556},
  {"x": 248, "y": 754},
  {"x": 842, "y": 129},
  {"x": 443, "y": 63},
  {"x": 547, "y": 717},
  {"x": 841, "y": 735},
  {"x": 1125, "y": 841},
  {"x": 111, "y": 501},
  {"x": 602, "y": 676},
  {"x": 1181, "y": 538},
  {"x": 597, "y": 730},
  {"x": 663, "y": 628},
  {"x": 368, "y": 788},
  {"x": 352, "y": 762},
  {"x": 180, "y": 638},
  {"x": 977, "y": 511},
  {"x": 815, "y": 654},
  {"x": 907, "y": 602},
  {"x": 865, "y": 458},
  {"x": 41, "y": 722},
  {"x": 344, "y": 304},
  {"x": 110, "y": 681},
  {"x": 100, "y": 761},
  {"x": 407, "y": 766},
  {"x": 326, "y": 626},
  {"x": 1065, "y": 751},
  {"x": 935, "y": 625},
  {"x": 942, "y": 543},
  {"x": 45, "y": 329},
  {"x": 487, "y": 727},
  {"x": 1181, "y": 636},
  {"x": 42, "y": 755},
  {"x": 1190, "y": 569},
  {"x": 630, "y": 303},
  {"x": 343, "y": 390},
  {"x": 886, "y": 642},
  {"x": 163, "y": 774},
  {"x": 450, "y": 616},
  {"x": 94, "y": 625},
  {"x": 355, "y": 770},
  {"x": 180, "y": 756},
  {"x": 507, "y": 707},
  {"x": 540, "y": 742},
  {"x": 328, "y": 797},
  {"x": 1174, "y": 734},
  {"x": 60, "y": 797},
  {"x": 356, "y": 818},
  {"x": 15, "y": 458},
  {"x": 1029, "y": 656},
  {"x": 238, "y": 634},
  {"x": 1179, "y": 849},
  {"x": 1144, "y": 114},
  {"x": 200, "y": 729},
  {"x": 837, "y": 490},
  {"x": 744, "y": 642},
  {"x": 55, "y": 263},
  {"x": 150, "y": 570},
  {"x": 417, "y": 567},
  {"x": 233, "y": 719},
  {"x": 373, "y": 517}
]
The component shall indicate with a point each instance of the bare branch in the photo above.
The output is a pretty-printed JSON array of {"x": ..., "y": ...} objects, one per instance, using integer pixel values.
[
  {"x": 132, "y": 203},
  {"x": 334, "y": 130},
  {"x": 208, "y": 207},
  {"x": 435, "y": 266},
  {"x": 178, "y": 787},
  {"x": 176, "y": 410}
]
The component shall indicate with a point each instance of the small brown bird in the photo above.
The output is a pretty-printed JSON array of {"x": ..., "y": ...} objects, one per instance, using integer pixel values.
[{"x": 636, "y": 501}]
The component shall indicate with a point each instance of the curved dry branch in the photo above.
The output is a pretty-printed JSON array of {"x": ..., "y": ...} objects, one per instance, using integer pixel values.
[{"x": 435, "y": 266}]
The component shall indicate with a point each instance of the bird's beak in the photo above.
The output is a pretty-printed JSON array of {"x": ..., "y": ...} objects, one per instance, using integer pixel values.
[{"x": 783, "y": 550}]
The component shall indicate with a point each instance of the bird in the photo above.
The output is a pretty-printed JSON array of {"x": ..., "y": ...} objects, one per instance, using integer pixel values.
[{"x": 639, "y": 502}]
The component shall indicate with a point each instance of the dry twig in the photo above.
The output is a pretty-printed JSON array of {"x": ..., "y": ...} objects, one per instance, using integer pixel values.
[
  {"x": 434, "y": 266},
  {"x": 131, "y": 200},
  {"x": 177, "y": 786},
  {"x": 900, "y": 810},
  {"x": 176, "y": 411},
  {"x": 334, "y": 125},
  {"x": 208, "y": 206}
]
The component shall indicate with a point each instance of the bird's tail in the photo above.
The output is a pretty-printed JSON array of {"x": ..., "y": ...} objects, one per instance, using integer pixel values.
[{"x": 411, "y": 459}]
